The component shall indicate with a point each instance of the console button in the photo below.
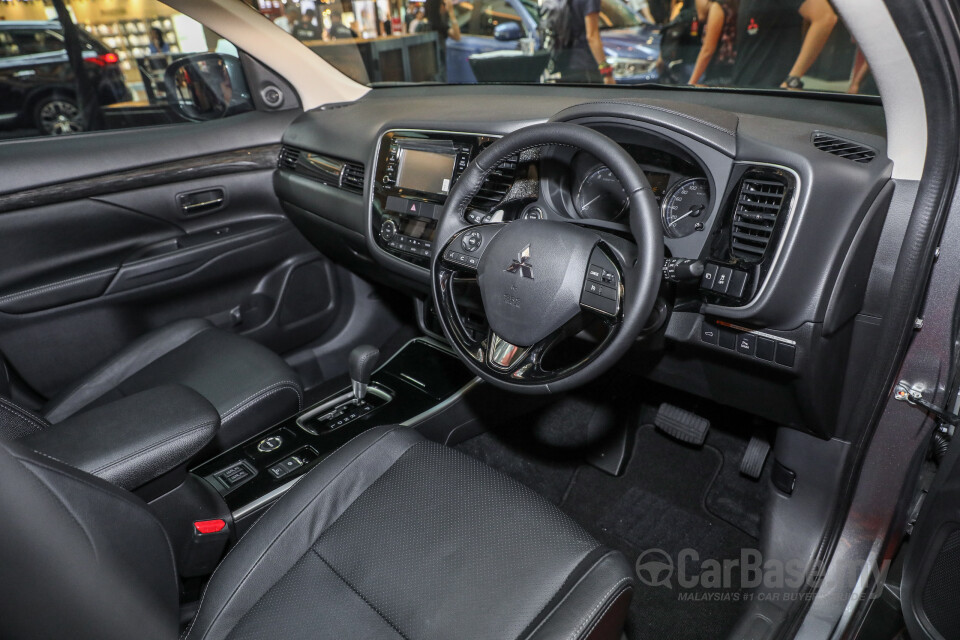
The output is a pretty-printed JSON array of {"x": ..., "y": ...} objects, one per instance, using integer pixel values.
[
  {"x": 786, "y": 354},
  {"x": 709, "y": 275},
  {"x": 722, "y": 280},
  {"x": 738, "y": 284},
  {"x": 595, "y": 273},
  {"x": 599, "y": 303},
  {"x": 285, "y": 467},
  {"x": 269, "y": 444},
  {"x": 728, "y": 338},
  {"x": 709, "y": 333},
  {"x": 235, "y": 475},
  {"x": 766, "y": 348},
  {"x": 747, "y": 344}
]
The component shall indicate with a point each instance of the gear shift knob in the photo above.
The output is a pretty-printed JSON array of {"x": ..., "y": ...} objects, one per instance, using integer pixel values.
[{"x": 363, "y": 360}]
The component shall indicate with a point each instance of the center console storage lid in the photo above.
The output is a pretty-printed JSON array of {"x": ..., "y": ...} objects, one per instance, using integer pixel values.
[{"x": 134, "y": 440}]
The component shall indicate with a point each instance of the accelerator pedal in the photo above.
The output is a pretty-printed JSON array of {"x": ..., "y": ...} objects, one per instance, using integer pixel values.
[
  {"x": 681, "y": 424},
  {"x": 751, "y": 465}
]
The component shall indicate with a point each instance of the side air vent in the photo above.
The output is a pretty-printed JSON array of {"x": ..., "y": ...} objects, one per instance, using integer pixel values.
[
  {"x": 351, "y": 178},
  {"x": 331, "y": 171},
  {"x": 497, "y": 185},
  {"x": 759, "y": 204},
  {"x": 844, "y": 148},
  {"x": 289, "y": 156}
]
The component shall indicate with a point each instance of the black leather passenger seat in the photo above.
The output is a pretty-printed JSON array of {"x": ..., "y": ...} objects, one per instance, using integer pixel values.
[
  {"x": 159, "y": 402},
  {"x": 250, "y": 386}
]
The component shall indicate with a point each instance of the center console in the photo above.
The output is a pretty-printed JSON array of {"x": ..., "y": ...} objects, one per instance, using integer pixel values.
[
  {"x": 414, "y": 172},
  {"x": 418, "y": 383}
]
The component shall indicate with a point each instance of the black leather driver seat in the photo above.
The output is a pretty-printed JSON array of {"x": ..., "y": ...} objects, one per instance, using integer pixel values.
[{"x": 391, "y": 536}]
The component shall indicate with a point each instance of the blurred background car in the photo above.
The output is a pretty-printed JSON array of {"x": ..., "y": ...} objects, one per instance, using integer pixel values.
[
  {"x": 38, "y": 86},
  {"x": 492, "y": 31}
]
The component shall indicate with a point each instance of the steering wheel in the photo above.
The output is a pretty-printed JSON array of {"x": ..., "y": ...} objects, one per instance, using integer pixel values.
[{"x": 541, "y": 281}]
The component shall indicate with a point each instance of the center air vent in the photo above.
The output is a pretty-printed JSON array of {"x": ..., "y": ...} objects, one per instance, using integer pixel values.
[
  {"x": 497, "y": 185},
  {"x": 844, "y": 148},
  {"x": 351, "y": 178},
  {"x": 760, "y": 203}
]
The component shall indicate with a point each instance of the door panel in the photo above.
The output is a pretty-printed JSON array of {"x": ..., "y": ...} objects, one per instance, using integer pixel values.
[{"x": 108, "y": 258}]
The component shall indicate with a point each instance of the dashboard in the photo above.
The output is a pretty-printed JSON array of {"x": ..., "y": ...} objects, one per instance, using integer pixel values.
[{"x": 768, "y": 237}]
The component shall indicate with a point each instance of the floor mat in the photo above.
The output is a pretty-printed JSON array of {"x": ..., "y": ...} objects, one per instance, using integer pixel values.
[{"x": 657, "y": 509}]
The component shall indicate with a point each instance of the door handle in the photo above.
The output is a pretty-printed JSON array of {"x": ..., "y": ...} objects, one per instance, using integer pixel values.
[{"x": 203, "y": 201}]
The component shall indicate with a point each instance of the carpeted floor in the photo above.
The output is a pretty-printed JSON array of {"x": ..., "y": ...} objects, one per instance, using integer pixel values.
[{"x": 671, "y": 497}]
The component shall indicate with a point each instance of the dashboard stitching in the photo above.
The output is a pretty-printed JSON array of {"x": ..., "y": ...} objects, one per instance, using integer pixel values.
[{"x": 664, "y": 110}]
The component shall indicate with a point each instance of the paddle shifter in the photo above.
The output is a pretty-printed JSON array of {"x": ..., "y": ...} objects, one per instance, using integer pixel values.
[{"x": 363, "y": 360}]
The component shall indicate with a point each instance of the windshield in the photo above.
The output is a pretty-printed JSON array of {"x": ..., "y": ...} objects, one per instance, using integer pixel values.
[{"x": 778, "y": 45}]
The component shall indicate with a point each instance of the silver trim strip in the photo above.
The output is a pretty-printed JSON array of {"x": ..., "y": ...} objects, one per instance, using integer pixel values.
[
  {"x": 763, "y": 334},
  {"x": 440, "y": 408},
  {"x": 250, "y": 507}
]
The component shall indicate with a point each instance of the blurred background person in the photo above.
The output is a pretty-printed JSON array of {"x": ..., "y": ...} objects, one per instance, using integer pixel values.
[
  {"x": 306, "y": 27},
  {"x": 416, "y": 22},
  {"x": 718, "y": 29},
  {"x": 772, "y": 48},
  {"x": 338, "y": 30},
  {"x": 679, "y": 42},
  {"x": 641, "y": 8},
  {"x": 157, "y": 44},
  {"x": 573, "y": 39},
  {"x": 440, "y": 17},
  {"x": 289, "y": 18}
]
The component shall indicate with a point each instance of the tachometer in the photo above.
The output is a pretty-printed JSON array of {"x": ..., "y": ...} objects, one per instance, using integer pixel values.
[
  {"x": 685, "y": 207},
  {"x": 601, "y": 196}
]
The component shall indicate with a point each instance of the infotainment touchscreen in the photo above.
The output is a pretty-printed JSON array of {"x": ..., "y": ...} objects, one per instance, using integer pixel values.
[{"x": 426, "y": 171}]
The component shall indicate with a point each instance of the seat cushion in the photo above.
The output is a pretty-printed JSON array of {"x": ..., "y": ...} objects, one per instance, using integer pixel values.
[
  {"x": 393, "y": 536},
  {"x": 251, "y": 387}
]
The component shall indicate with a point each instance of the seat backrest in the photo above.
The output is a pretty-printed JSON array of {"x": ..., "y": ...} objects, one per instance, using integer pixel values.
[{"x": 79, "y": 558}]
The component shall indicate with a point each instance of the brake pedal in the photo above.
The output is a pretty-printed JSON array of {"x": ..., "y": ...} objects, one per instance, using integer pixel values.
[
  {"x": 681, "y": 424},
  {"x": 751, "y": 465}
]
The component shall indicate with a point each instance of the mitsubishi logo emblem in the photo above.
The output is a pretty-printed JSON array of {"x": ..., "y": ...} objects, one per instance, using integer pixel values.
[{"x": 522, "y": 264}]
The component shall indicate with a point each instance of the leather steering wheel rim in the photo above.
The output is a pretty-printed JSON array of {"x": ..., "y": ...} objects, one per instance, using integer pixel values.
[{"x": 640, "y": 280}]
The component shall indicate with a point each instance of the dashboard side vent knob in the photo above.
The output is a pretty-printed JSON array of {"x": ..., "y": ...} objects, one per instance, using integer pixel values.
[
  {"x": 352, "y": 177},
  {"x": 759, "y": 204},
  {"x": 842, "y": 147}
]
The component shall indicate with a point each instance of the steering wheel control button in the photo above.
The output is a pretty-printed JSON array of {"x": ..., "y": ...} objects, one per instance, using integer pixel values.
[
  {"x": 709, "y": 275},
  {"x": 601, "y": 286},
  {"x": 269, "y": 444},
  {"x": 471, "y": 241}
]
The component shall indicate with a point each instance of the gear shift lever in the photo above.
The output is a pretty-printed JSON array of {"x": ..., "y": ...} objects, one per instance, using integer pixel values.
[{"x": 363, "y": 360}]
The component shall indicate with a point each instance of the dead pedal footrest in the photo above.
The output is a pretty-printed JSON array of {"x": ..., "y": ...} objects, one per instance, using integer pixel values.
[{"x": 682, "y": 424}]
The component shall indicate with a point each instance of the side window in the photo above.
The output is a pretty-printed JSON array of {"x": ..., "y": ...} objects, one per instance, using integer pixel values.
[
  {"x": 138, "y": 64},
  {"x": 494, "y": 13},
  {"x": 464, "y": 12}
]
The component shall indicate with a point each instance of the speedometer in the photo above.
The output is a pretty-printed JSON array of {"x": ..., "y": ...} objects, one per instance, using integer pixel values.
[{"x": 685, "y": 207}]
